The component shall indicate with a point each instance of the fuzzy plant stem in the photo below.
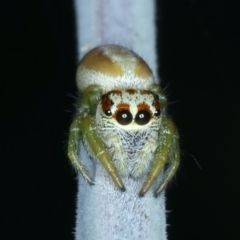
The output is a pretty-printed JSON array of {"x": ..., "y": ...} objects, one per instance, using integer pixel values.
[{"x": 104, "y": 212}]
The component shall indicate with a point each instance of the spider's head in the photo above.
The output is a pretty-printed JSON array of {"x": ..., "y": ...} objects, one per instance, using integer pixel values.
[{"x": 129, "y": 109}]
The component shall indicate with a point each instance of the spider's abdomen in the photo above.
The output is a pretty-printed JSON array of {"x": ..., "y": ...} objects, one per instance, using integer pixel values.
[{"x": 113, "y": 67}]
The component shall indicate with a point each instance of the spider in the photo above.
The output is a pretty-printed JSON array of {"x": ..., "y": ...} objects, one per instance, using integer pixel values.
[{"x": 122, "y": 120}]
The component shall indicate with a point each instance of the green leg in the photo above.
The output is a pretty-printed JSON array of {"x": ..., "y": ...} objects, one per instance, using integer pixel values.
[
  {"x": 97, "y": 147},
  {"x": 83, "y": 128},
  {"x": 73, "y": 148},
  {"x": 174, "y": 160},
  {"x": 163, "y": 151}
]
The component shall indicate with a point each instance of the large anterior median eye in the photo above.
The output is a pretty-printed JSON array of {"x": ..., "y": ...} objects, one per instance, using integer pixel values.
[
  {"x": 124, "y": 117},
  {"x": 142, "y": 117}
]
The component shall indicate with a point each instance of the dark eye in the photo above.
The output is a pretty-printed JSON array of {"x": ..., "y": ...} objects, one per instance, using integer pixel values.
[
  {"x": 142, "y": 117},
  {"x": 157, "y": 113},
  {"x": 108, "y": 112},
  {"x": 124, "y": 117}
]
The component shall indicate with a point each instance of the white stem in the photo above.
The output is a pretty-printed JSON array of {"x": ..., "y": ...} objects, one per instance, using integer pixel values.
[{"x": 103, "y": 212}]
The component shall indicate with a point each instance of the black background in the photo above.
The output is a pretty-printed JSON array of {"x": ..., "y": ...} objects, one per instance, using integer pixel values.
[{"x": 198, "y": 46}]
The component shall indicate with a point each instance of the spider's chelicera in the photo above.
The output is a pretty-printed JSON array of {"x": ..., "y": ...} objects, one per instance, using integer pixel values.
[{"x": 122, "y": 120}]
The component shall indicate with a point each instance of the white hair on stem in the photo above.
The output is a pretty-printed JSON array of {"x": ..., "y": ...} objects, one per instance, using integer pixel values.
[{"x": 104, "y": 212}]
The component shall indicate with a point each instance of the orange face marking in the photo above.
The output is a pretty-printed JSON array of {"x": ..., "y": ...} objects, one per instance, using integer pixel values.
[
  {"x": 131, "y": 91},
  {"x": 142, "y": 69},
  {"x": 118, "y": 92},
  {"x": 144, "y": 107},
  {"x": 157, "y": 103},
  {"x": 97, "y": 61},
  {"x": 106, "y": 103},
  {"x": 121, "y": 107}
]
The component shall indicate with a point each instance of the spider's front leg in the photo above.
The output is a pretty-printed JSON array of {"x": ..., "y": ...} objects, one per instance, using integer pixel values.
[
  {"x": 84, "y": 127},
  {"x": 168, "y": 150},
  {"x": 98, "y": 150},
  {"x": 113, "y": 142}
]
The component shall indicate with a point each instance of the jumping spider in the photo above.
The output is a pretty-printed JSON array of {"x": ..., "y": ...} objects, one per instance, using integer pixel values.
[{"x": 122, "y": 119}]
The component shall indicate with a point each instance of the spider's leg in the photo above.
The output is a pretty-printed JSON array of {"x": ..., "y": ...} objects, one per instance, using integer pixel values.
[
  {"x": 174, "y": 159},
  {"x": 98, "y": 149},
  {"x": 167, "y": 133},
  {"x": 73, "y": 148}
]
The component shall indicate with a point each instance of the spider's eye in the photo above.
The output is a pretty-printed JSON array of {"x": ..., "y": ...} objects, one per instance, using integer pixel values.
[
  {"x": 142, "y": 117},
  {"x": 108, "y": 112},
  {"x": 124, "y": 117},
  {"x": 157, "y": 113}
]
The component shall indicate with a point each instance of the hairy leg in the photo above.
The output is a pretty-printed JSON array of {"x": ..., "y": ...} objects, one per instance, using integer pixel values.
[{"x": 167, "y": 134}]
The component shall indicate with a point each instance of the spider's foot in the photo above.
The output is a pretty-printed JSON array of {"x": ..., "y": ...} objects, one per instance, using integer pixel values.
[
  {"x": 141, "y": 194},
  {"x": 155, "y": 194},
  {"x": 91, "y": 184}
]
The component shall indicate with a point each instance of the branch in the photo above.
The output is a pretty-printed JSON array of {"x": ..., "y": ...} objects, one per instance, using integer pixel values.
[{"x": 103, "y": 212}]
